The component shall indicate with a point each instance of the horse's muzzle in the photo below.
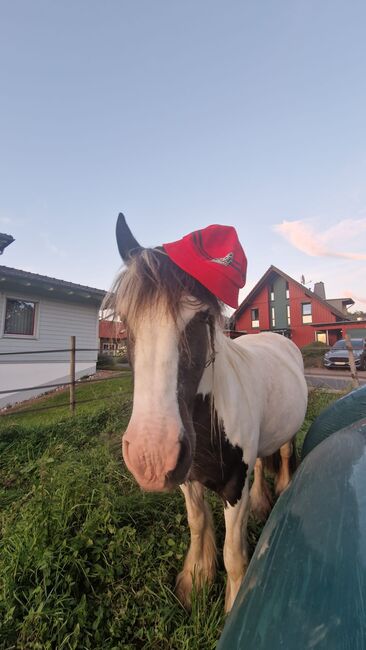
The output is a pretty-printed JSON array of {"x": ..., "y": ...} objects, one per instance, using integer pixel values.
[{"x": 158, "y": 467}]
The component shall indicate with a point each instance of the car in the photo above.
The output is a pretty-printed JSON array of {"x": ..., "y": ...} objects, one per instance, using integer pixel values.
[{"x": 337, "y": 357}]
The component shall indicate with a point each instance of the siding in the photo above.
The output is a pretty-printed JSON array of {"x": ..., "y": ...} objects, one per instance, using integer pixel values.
[
  {"x": 260, "y": 302},
  {"x": 301, "y": 333},
  {"x": 279, "y": 303},
  {"x": 57, "y": 321}
]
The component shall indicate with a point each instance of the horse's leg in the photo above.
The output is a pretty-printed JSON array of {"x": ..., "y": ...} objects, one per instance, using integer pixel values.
[
  {"x": 200, "y": 562},
  {"x": 284, "y": 475},
  {"x": 235, "y": 547},
  {"x": 260, "y": 495}
]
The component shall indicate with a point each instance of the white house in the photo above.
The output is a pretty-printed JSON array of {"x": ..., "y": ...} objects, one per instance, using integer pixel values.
[{"x": 38, "y": 315}]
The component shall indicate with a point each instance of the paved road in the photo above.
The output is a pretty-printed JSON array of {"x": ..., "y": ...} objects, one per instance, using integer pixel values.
[{"x": 336, "y": 379}]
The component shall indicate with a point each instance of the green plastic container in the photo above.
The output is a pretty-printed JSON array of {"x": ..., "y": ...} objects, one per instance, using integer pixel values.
[
  {"x": 340, "y": 414},
  {"x": 305, "y": 588}
]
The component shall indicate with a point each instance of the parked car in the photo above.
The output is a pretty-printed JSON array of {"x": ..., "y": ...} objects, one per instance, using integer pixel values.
[{"x": 337, "y": 357}]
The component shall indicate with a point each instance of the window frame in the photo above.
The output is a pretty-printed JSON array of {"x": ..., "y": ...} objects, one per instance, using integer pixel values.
[
  {"x": 273, "y": 317},
  {"x": 28, "y": 337},
  {"x": 306, "y": 318},
  {"x": 322, "y": 333},
  {"x": 254, "y": 320}
]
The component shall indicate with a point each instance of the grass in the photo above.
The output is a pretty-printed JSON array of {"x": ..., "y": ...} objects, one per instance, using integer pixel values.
[
  {"x": 86, "y": 559},
  {"x": 56, "y": 405}
]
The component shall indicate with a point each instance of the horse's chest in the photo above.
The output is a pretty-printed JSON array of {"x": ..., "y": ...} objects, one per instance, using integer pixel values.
[{"x": 217, "y": 463}]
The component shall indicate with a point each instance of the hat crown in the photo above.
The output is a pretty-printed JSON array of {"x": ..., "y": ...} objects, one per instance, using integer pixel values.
[{"x": 214, "y": 257}]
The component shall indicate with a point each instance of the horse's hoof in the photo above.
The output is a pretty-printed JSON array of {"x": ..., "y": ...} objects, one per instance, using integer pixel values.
[{"x": 183, "y": 588}]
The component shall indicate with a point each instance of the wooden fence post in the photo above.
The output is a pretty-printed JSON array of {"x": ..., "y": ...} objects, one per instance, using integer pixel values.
[
  {"x": 72, "y": 374},
  {"x": 352, "y": 365}
]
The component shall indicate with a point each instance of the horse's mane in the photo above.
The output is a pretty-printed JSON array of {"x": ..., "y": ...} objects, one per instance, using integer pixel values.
[{"x": 151, "y": 279}]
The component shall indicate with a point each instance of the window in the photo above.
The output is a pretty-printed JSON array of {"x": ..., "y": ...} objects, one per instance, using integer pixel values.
[
  {"x": 271, "y": 297},
  {"x": 288, "y": 315},
  {"x": 255, "y": 317},
  {"x": 287, "y": 291},
  {"x": 321, "y": 336},
  {"x": 273, "y": 317},
  {"x": 20, "y": 317},
  {"x": 306, "y": 312}
]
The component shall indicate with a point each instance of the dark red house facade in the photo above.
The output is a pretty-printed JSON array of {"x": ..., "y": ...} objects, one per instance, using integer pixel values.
[
  {"x": 281, "y": 304},
  {"x": 112, "y": 336}
]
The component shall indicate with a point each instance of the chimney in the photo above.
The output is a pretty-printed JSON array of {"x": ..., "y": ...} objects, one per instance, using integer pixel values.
[{"x": 319, "y": 289}]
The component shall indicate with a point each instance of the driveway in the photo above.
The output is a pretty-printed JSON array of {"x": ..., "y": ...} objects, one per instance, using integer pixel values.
[{"x": 335, "y": 379}]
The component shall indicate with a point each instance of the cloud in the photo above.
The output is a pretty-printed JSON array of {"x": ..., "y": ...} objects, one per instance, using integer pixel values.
[{"x": 303, "y": 236}]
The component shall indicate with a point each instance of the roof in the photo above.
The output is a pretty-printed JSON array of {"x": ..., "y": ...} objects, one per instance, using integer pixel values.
[
  {"x": 16, "y": 279},
  {"x": 111, "y": 329},
  {"x": 263, "y": 281},
  {"x": 338, "y": 303},
  {"x": 349, "y": 323}
]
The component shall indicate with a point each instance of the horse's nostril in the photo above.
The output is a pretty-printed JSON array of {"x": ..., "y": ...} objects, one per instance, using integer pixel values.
[{"x": 179, "y": 473}]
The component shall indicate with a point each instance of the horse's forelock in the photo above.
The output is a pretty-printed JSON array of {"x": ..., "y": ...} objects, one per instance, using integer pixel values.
[{"x": 153, "y": 281}]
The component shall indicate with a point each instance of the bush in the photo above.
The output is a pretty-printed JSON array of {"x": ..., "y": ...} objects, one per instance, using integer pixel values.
[
  {"x": 313, "y": 354},
  {"x": 110, "y": 362}
]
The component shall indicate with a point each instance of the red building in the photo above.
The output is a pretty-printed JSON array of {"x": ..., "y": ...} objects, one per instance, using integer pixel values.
[
  {"x": 112, "y": 336},
  {"x": 280, "y": 304}
]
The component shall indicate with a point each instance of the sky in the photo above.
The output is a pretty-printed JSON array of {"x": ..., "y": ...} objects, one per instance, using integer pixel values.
[{"x": 181, "y": 114}]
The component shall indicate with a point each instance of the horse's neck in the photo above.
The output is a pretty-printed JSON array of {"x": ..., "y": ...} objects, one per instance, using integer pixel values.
[
  {"x": 231, "y": 385},
  {"x": 224, "y": 366}
]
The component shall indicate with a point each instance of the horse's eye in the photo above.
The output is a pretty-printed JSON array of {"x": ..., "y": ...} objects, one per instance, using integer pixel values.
[{"x": 205, "y": 316}]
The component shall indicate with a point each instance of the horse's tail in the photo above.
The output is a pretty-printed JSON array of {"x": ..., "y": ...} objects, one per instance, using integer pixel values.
[{"x": 272, "y": 463}]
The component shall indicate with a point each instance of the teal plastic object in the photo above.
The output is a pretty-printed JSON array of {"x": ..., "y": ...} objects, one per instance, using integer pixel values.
[
  {"x": 305, "y": 588},
  {"x": 340, "y": 414}
]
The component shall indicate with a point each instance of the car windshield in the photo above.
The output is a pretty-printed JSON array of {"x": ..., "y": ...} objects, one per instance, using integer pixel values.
[{"x": 357, "y": 344}]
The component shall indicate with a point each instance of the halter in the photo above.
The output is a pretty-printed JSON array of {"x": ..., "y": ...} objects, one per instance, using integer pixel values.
[{"x": 211, "y": 324}]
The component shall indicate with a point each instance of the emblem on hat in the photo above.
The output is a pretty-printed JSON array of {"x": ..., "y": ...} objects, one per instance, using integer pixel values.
[{"x": 225, "y": 261}]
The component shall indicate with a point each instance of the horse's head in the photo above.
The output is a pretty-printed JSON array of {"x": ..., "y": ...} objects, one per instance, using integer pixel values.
[{"x": 169, "y": 318}]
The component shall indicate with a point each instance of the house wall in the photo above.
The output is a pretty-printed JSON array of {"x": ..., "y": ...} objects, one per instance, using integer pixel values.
[
  {"x": 260, "y": 302},
  {"x": 56, "y": 321},
  {"x": 301, "y": 333}
]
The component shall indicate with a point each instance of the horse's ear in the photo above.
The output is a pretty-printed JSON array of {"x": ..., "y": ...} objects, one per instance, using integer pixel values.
[{"x": 127, "y": 244}]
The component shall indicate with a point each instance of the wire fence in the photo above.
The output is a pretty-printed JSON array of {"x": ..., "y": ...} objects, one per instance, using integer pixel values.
[
  {"x": 72, "y": 383},
  {"x": 15, "y": 409}
]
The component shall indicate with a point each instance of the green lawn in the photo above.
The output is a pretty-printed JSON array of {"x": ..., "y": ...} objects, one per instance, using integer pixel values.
[
  {"x": 86, "y": 559},
  {"x": 90, "y": 397}
]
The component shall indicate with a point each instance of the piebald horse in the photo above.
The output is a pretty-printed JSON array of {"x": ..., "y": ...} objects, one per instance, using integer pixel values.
[{"x": 204, "y": 406}]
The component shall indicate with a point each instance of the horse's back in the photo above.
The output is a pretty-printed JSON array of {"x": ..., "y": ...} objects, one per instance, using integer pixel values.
[
  {"x": 279, "y": 373},
  {"x": 269, "y": 344}
]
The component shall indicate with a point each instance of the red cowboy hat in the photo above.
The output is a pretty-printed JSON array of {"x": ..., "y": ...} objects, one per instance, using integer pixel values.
[{"x": 215, "y": 258}]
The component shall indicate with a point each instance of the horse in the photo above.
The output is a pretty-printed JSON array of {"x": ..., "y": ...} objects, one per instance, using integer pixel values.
[{"x": 205, "y": 407}]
